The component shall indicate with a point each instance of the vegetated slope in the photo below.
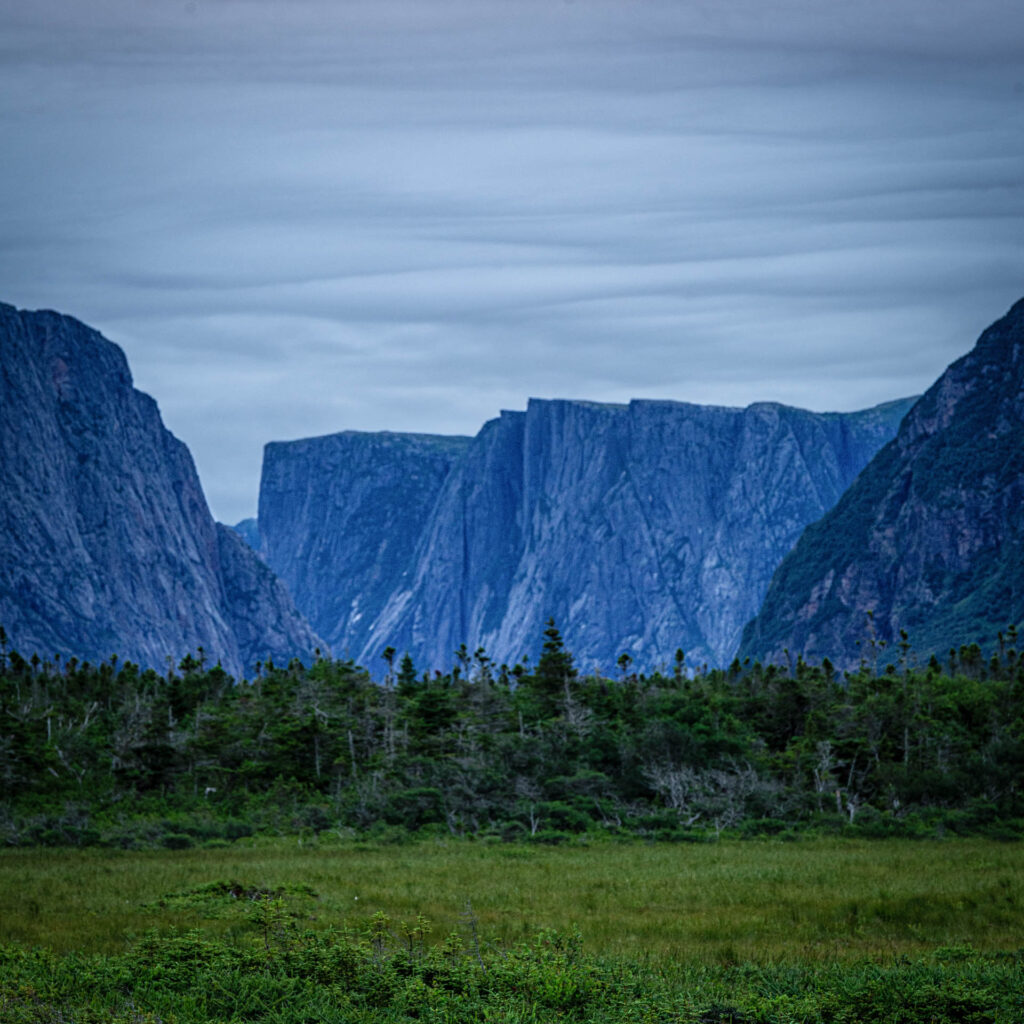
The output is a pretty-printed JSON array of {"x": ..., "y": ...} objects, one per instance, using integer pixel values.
[
  {"x": 640, "y": 528},
  {"x": 929, "y": 538},
  {"x": 106, "y": 541}
]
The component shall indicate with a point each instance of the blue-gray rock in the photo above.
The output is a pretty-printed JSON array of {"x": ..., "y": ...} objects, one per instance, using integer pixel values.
[
  {"x": 640, "y": 528},
  {"x": 930, "y": 538},
  {"x": 340, "y": 518},
  {"x": 107, "y": 545},
  {"x": 249, "y": 531}
]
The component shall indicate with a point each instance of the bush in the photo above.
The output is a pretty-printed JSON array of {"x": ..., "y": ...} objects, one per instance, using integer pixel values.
[
  {"x": 388, "y": 973},
  {"x": 563, "y": 817},
  {"x": 176, "y": 841},
  {"x": 551, "y": 837},
  {"x": 234, "y": 829},
  {"x": 413, "y": 808},
  {"x": 762, "y": 827},
  {"x": 507, "y": 831}
]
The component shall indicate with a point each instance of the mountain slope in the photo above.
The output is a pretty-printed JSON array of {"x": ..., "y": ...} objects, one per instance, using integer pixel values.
[
  {"x": 930, "y": 538},
  {"x": 106, "y": 542},
  {"x": 640, "y": 528},
  {"x": 339, "y": 519}
]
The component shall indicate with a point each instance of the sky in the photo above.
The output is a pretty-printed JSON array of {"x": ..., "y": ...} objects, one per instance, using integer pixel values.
[{"x": 304, "y": 216}]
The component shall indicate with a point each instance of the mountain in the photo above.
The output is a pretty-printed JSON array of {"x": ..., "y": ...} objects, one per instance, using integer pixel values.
[
  {"x": 106, "y": 542},
  {"x": 340, "y": 517},
  {"x": 930, "y": 538},
  {"x": 639, "y": 528},
  {"x": 249, "y": 531}
]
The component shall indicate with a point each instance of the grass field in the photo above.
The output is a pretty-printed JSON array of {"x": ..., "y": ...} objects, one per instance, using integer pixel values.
[{"x": 813, "y": 900}]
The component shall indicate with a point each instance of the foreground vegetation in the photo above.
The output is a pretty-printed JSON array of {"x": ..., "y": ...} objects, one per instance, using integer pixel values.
[
  {"x": 312, "y": 846},
  {"x": 818, "y": 930},
  {"x": 110, "y": 755},
  {"x": 814, "y": 899},
  {"x": 374, "y": 976}
]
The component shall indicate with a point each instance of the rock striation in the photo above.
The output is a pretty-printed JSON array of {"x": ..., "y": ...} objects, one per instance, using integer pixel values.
[
  {"x": 930, "y": 538},
  {"x": 340, "y": 518},
  {"x": 640, "y": 528},
  {"x": 107, "y": 545}
]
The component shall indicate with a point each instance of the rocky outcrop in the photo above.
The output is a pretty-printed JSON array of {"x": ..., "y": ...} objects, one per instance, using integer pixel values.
[
  {"x": 640, "y": 528},
  {"x": 930, "y": 539},
  {"x": 106, "y": 542}
]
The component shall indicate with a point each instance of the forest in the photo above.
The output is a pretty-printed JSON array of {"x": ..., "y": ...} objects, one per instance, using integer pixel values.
[{"x": 108, "y": 755}]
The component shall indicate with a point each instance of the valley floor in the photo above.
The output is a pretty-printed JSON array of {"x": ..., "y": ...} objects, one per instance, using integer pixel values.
[{"x": 813, "y": 930}]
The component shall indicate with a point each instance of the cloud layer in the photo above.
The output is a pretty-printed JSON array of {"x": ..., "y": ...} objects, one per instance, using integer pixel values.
[{"x": 300, "y": 217}]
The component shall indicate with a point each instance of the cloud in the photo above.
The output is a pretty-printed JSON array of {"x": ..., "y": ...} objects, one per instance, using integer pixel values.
[{"x": 308, "y": 216}]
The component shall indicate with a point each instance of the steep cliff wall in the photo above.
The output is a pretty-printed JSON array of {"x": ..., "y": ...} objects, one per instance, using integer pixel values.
[
  {"x": 106, "y": 542},
  {"x": 462, "y": 565},
  {"x": 640, "y": 528},
  {"x": 339, "y": 520},
  {"x": 930, "y": 538}
]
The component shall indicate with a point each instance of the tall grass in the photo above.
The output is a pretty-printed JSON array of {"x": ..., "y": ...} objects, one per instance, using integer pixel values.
[{"x": 726, "y": 902}]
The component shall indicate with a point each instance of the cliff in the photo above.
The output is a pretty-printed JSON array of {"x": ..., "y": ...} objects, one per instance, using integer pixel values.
[
  {"x": 339, "y": 520},
  {"x": 106, "y": 542},
  {"x": 640, "y": 528},
  {"x": 930, "y": 538}
]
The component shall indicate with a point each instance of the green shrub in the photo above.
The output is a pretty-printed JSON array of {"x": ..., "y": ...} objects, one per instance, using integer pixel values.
[
  {"x": 385, "y": 974},
  {"x": 562, "y": 817},
  {"x": 551, "y": 837},
  {"x": 176, "y": 841}
]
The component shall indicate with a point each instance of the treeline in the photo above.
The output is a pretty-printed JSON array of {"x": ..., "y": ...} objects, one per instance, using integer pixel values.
[{"x": 109, "y": 754}]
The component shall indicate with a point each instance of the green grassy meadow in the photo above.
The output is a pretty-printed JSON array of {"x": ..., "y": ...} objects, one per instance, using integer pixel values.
[{"x": 731, "y": 901}]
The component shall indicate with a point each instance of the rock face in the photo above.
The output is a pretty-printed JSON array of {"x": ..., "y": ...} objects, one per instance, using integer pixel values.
[
  {"x": 249, "y": 531},
  {"x": 639, "y": 528},
  {"x": 340, "y": 517},
  {"x": 106, "y": 542},
  {"x": 930, "y": 538}
]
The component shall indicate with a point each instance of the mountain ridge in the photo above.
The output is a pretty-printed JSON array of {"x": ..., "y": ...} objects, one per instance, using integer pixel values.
[
  {"x": 107, "y": 544},
  {"x": 930, "y": 539},
  {"x": 548, "y": 511}
]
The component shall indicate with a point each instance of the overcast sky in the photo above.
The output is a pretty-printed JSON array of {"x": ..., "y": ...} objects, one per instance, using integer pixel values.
[{"x": 303, "y": 216}]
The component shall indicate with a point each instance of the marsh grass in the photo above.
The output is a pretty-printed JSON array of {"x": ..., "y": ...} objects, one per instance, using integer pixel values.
[{"x": 726, "y": 902}]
